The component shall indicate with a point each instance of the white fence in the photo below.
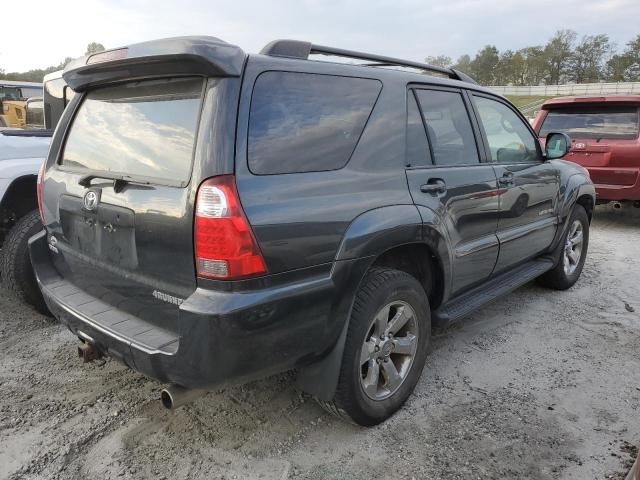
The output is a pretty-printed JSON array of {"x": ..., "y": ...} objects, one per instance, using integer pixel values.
[{"x": 572, "y": 89}]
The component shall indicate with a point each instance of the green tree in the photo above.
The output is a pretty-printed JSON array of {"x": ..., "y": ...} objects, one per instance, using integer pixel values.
[
  {"x": 625, "y": 67},
  {"x": 511, "y": 69},
  {"x": 559, "y": 54},
  {"x": 535, "y": 65},
  {"x": 439, "y": 61},
  {"x": 464, "y": 64},
  {"x": 483, "y": 66},
  {"x": 94, "y": 47},
  {"x": 588, "y": 60},
  {"x": 617, "y": 67}
]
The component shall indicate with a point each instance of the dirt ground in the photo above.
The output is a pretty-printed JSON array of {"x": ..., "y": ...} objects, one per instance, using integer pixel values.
[{"x": 540, "y": 385}]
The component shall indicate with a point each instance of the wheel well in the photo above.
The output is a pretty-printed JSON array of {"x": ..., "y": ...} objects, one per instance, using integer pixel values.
[
  {"x": 587, "y": 202},
  {"x": 19, "y": 199},
  {"x": 418, "y": 261}
]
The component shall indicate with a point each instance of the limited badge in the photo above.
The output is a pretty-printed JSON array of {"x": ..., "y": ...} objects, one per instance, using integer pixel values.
[{"x": 53, "y": 241}]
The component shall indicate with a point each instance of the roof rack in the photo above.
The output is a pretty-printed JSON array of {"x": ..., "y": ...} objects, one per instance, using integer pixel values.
[{"x": 302, "y": 50}]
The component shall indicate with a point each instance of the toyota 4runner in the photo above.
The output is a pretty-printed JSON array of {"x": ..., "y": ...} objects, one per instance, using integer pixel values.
[{"x": 212, "y": 216}]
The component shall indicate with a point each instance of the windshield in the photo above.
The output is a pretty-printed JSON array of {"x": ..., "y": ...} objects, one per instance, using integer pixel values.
[
  {"x": 138, "y": 129},
  {"x": 9, "y": 93},
  {"x": 593, "y": 122}
]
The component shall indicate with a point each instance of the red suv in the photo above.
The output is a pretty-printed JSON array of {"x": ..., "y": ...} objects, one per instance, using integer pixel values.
[{"x": 604, "y": 132}]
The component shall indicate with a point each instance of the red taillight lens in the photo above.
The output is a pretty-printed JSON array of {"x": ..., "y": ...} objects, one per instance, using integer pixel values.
[
  {"x": 224, "y": 244},
  {"x": 39, "y": 191}
]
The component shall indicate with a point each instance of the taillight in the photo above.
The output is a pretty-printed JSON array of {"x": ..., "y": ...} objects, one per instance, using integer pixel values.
[
  {"x": 39, "y": 190},
  {"x": 224, "y": 244}
]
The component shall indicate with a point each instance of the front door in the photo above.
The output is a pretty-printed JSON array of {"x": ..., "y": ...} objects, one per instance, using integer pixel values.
[
  {"x": 529, "y": 186},
  {"x": 446, "y": 174}
]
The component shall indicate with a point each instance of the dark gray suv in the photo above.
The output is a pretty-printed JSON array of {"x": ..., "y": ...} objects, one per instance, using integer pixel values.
[{"x": 213, "y": 216}]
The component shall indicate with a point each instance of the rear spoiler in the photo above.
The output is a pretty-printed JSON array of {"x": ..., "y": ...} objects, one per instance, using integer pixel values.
[{"x": 206, "y": 56}]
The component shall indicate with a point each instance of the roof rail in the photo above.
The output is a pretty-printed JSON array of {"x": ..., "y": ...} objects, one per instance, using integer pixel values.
[{"x": 302, "y": 50}]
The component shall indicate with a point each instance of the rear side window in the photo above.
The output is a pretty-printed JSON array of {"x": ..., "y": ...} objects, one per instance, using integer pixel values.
[
  {"x": 448, "y": 127},
  {"x": 137, "y": 129},
  {"x": 593, "y": 122},
  {"x": 302, "y": 122},
  {"x": 418, "y": 154}
]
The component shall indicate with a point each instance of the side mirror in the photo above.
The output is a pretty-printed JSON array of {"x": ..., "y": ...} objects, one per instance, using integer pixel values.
[{"x": 558, "y": 144}]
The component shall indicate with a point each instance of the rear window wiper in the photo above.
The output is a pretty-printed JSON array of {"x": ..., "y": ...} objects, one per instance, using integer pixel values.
[{"x": 118, "y": 183}]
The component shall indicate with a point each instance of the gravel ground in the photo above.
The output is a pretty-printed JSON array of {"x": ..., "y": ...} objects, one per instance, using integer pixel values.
[{"x": 541, "y": 385}]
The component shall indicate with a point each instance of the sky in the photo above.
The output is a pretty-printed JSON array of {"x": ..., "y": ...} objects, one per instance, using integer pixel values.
[{"x": 411, "y": 29}]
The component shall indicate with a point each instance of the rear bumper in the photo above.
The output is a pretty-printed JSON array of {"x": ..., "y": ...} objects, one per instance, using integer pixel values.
[
  {"x": 626, "y": 186},
  {"x": 222, "y": 337}
]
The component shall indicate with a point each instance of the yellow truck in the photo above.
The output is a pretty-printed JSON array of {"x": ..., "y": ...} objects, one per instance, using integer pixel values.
[{"x": 13, "y": 100}]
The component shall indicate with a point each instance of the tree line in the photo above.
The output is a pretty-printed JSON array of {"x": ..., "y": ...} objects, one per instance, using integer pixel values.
[
  {"x": 563, "y": 59},
  {"x": 36, "y": 75}
]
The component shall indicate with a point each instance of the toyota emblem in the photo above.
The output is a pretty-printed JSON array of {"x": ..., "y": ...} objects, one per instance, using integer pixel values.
[{"x": 90, "y": 200}]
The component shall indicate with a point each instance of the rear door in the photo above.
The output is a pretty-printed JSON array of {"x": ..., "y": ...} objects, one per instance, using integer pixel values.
[
  {"x": 447, "y": 175},
  {"x": 118, "y": 206},
  {"x": 529, "y": 186}
]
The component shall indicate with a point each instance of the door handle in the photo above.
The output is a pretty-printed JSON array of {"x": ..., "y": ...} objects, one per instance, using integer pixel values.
[
  {"x": 434, "y": 186},
  {"x": 506, "y": 180}
]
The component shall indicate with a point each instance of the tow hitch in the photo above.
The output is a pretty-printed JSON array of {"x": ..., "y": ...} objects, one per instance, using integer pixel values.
[{"x": 88, "y": 353}]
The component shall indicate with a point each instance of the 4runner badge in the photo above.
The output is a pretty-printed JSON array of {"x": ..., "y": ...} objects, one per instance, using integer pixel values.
[
  {"x": 165, "y": 297},
  {"x": 90, "y": 200}
]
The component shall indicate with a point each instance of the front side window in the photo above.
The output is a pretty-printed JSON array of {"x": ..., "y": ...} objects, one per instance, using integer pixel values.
[
  {"x": 302, "y": 122},
  {"x": 510, "y": 141},
  {"x": 448, "y": 127},
  {"x": 137, "y": 129},
  {"x": 614, "y": 122}
]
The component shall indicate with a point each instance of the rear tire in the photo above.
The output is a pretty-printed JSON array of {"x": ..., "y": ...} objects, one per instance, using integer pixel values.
[
  {"x": 17, "y": 272},
  {"x": 385, "y": 349},
  {"x": 574, "y": 253}
]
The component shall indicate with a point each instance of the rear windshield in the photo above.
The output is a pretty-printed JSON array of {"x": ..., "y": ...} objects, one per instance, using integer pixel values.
[
  {"x": 139, "y": 129},
  {"x": 302, "y": 122},
  {"x": 593, "y": 122}
]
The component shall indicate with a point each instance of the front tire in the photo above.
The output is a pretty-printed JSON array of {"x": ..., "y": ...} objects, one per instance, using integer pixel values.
[
  {"x": 385, "y": 349},
  {"x": 17, "y": 272},
  {"x": 574, "y": 253}
]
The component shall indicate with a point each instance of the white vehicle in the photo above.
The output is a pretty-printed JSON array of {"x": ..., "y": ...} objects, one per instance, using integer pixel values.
[{"x": 21, "y": 154}]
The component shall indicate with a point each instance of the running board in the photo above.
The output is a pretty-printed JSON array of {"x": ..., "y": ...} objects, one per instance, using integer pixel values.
[{"x": 495, "y": 288}]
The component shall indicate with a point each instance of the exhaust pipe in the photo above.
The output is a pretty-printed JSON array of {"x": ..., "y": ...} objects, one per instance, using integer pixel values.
[
  {"x": 175, "y": 396},
  {"x": 636, "y": 204},
  {"x": 617, "y": 205}
]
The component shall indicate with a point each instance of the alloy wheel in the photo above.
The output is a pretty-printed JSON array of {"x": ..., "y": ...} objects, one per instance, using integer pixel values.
[
  {"x": 573, "y": 247},
  {"x": 388, "y": 350}
]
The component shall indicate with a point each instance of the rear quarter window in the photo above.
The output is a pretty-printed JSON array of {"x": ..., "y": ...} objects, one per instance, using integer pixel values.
[{"x": 302, "y": 122}]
